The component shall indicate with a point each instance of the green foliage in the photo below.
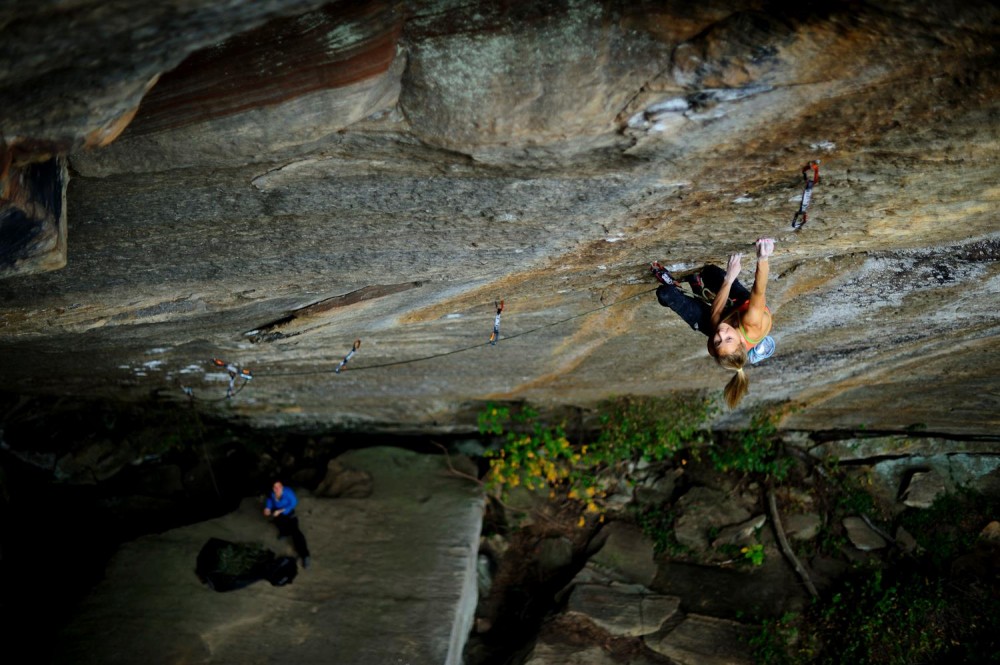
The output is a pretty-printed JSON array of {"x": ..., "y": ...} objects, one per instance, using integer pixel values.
[
  {"x": 653, "y": 429},
  {"x": 950, "y": 526},
  {"x": 853, "y": 499},
  {"x": 756, "y": 450},
  {"x": 536, "y": 456},
  {"x": 658, "y": 524},
  {"x": 829, "y": 541},
  {"x": 778, "y": 642},
  {"x": 869, "y": 621},
  {"x": 896, "y": 623},
  {"x": 847, "y": 495},
  {"x": 917, "y": 611},
  {"x": 753, "y": 553},
  {"x": 493, "y": 419}
]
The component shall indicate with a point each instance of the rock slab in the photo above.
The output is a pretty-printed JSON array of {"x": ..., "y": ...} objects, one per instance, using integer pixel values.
[
  {"x": 627, "y": 554},
  {"x": 623, "y": 610},
  {"x": 704, "y": 508},
  {"x": 704, "y": 640},
  {"x": 862, "y": 536},
  {"x": 392, "y": 580}
]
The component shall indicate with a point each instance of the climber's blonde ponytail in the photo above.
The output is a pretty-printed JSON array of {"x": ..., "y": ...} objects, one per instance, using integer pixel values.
[{"x": 739, "y": 385}]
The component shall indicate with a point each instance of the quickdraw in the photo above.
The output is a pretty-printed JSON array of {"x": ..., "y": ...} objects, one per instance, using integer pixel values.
[
  {"x": 354, "y": 349},
  {"x": 801, "y": 217},
  {"x": 496, "y": 323},
  {"x": 234, "y": 373}
]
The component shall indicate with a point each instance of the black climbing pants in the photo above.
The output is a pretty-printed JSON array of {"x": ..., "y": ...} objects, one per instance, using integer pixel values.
[
  {"x": 288, "y": 527},
  {"x": 696, "y": 309}
]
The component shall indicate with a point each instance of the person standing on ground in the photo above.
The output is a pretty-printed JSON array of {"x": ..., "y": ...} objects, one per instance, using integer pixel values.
[
  {"x": 280, "y": 508},
  {"x": 737, "y": 322}
]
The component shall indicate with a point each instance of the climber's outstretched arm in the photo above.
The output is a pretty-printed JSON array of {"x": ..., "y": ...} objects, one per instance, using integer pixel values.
[
  {"x": 754, "y": 316},
  {"x": 722, "y": 297}
]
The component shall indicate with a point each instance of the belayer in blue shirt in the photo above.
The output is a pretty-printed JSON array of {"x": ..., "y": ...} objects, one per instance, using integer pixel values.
[{"x": 280, "y": 507}]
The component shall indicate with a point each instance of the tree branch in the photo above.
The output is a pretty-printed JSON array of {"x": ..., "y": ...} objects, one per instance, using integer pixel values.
[
  {"x": 451, "y": 467},
  {"x": 786, "y": 548}
]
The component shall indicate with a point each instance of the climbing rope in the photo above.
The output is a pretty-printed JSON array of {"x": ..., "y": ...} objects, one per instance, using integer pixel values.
[
  {"x": 810, "y": 173},
  {"x": 204, "y": 448},
  {"x": 463, "y": 349}
]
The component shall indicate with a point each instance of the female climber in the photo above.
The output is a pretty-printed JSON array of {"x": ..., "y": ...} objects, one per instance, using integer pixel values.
[{"x": 737, "y": 321}]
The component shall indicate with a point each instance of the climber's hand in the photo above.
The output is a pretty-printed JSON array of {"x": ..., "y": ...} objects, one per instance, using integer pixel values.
[
  {"x": 765, "y": 247},
  {"x": 734, "y": 267}
]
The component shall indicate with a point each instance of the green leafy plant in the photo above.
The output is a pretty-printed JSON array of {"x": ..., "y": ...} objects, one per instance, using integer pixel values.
[
  {"x": 950, "y": 526},
  {"x": 658, "y": 524},
  {"x": 830, "y": 542},
  {"x": 653, "y": 429},
  {"x": 853, "y": 499},
  {"x": 753, "y": 553},
  {"x": 536, "y": 456},
  {"x": 493, "y": 419},
  {"x": 755, "y": 450},
  {"x": 889, "y": 623},
  {"x": 869, "y": 621},
  {"x": 917, "y": 611},
  {"x": 778, "y": 641}
]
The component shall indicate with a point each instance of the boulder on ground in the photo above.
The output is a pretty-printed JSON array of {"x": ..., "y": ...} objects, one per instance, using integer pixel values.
[
  {"x": 548, "y": 653},
  {"x": 735, "y": 534},
  {"x": 623, "y": 610},
  {"x": 627, "y": 554},
  {"x": 342, "y": 481},
  {"x": 555, "y": 554},
  {"x": 802, "y": 526},
  {"x": 863, "y": 536},
  {"x": 924, "y": 487},
  {"x": 703, "y": 508},
  {"x": 705, "y": 640}
]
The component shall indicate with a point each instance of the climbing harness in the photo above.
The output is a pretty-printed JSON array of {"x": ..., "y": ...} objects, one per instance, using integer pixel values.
[
  {"x": 234, "y": 373},
  {"x": 801, "y": 217},
  {"x": 762, "y": 349},
  {"x": 496, "y": 323},
  {"x": 354, "y": 349}
]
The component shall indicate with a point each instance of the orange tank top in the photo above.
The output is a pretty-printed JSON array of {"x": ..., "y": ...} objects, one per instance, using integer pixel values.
[{"x": 747, "y": 342}]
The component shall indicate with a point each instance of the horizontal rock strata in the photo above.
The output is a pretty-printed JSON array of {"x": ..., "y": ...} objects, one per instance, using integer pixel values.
[{"x": 537, "y": 153}]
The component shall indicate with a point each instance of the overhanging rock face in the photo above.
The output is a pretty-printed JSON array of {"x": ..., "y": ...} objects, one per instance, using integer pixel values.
[
  {"x": 540, "y": 153},
  {"x": 289, "y": 83}
]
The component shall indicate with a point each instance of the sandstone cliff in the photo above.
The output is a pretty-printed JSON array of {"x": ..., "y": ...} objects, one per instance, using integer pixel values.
[{"x": 298, "y": 176}]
